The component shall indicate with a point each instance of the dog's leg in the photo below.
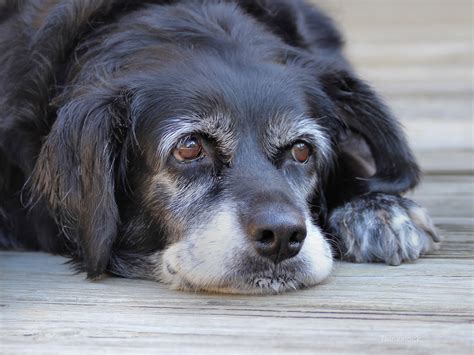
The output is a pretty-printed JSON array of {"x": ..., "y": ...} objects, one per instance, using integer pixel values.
[{"x": 380, "y": 227}]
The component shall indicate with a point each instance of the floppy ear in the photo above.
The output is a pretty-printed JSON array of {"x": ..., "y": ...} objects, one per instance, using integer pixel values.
[
  {"x": 75, "y": 173},
  {"x": 369, "y": 136},
  {"x": 280, "y": 16}
]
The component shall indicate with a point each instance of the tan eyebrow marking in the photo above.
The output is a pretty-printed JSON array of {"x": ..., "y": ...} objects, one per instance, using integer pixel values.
[
  {"x": 285, "y": 128},
  {"x": 218, "y": 126}
]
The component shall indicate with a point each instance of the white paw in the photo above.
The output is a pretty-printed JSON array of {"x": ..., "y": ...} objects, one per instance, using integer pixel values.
[{"x": 379, "y": 227}]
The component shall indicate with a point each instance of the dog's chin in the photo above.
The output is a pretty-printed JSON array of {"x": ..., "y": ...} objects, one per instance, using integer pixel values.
[{"x": 264, "y": 283}]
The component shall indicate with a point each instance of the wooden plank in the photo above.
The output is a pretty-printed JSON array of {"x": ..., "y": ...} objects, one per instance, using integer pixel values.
[
  {"x": 398, "y": 20},
  {"x": 446, "y": 161},
  {"x": 445, "y": 196},
  {"x": 455, "y": 135},
  {"x": 373, "y": 306}
]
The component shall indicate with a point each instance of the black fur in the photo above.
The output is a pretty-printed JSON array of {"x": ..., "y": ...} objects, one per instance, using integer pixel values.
[{"x": 84, "y": 83}]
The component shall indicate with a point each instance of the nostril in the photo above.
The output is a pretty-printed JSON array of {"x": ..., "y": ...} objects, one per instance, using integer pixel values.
[
  {"x": 267, "y": 243},
  {"x": 295, "y": 239},
  {"x": 267, "y": 237}
]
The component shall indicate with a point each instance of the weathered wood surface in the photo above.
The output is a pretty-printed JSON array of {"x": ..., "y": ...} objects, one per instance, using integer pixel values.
[{"x": 418, "y": 54}]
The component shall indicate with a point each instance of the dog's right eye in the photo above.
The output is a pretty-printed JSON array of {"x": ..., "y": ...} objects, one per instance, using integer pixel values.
[
  {"x": 301, "y": 152},
  {"x": 188, "y": 149}
]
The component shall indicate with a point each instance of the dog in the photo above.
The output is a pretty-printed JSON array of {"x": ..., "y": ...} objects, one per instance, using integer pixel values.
[{"x": 212, "y": 145}]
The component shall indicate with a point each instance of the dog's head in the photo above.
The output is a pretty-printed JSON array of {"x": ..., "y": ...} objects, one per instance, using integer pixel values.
[
  {"x": 230, "y": 160},
  {"x": 191, "y": 145}
]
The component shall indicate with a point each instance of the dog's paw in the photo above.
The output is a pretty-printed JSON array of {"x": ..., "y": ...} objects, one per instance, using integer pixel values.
[{"x": 379, "y": 227}]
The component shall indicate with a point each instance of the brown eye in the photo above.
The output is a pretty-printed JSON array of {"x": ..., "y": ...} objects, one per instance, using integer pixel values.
[
  {"x": 301, "y": 152},
  {"x": 188, "y": 149}
]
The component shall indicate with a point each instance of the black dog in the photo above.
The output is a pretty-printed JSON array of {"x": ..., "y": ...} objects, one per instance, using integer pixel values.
[{"x": 208, "y": 144}]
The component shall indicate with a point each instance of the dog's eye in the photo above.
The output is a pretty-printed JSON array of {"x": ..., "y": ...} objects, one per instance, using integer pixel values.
[
  {"x": 188, "y": 149},
  {"x": 301, "y": 152}
]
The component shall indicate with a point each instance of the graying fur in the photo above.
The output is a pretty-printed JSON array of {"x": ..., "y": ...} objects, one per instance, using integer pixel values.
[{"x": 380, "y": 227}]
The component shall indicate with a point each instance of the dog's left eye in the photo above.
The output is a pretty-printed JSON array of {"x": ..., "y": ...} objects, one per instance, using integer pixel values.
[
  {"x": 188, "y": 149},
  {"x": 301, "y": 152}
]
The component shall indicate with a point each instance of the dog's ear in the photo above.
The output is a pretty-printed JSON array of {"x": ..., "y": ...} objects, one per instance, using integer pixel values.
[
  {"x": 368, "y": 135},
  {"x": 362, "y": 121},
  {"x": 280, "y": 16},
  {"x": 297, "y": 23},
  {"x": 75, "y": 173}
]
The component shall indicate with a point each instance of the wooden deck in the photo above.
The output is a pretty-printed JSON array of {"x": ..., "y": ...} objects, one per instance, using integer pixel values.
[{"x": 418, "y": 53}]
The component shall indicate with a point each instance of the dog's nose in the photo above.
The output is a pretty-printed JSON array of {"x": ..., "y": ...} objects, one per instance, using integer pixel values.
[{"x": 277, "y": 236}]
